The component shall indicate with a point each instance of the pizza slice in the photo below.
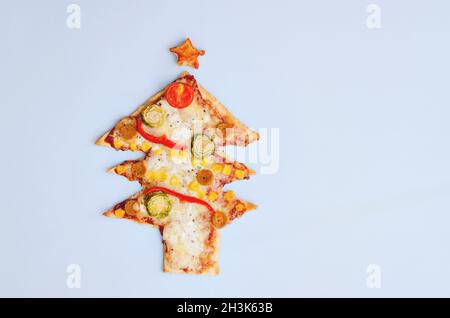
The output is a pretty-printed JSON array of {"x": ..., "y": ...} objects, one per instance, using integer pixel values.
[
  {"x": 189, "y": 227},
  {"x": 174, "y": 116},
  {"x": 179, "y": 169}
]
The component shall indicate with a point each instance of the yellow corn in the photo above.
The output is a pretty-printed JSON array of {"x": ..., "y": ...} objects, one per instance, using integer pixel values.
[
  {"x": 226, "y": 170},
  {"x": 177, "y": 154},
  {"x": 229, "y": 195},
  {"x": 239, "y": 174},
  {"x": 119, "y": 213},
  {"x": 161, "y": 175},
  {"x": 158, "y": 151},
  {"x": 174, "y": 181},
  {"x": 117, "y": 144},
  {"x": 240, "y": 207},
  {"x": 212, "y": 196},
  {"x": 200, "y": 194},
  {"x": 193, "y": 186},
  {"x": 133, "y": 146},
  {"x": 195, "y": 162},
  {"x": 216, "y": 168},
  {"x": 150, "y": 176},
  {"x": 121, "y": 169},
  {"x": 145, "y": 147}
]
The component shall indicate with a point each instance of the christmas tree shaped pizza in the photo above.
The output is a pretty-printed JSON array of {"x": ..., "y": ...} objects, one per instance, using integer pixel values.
[{"x": 182, "y": 130}]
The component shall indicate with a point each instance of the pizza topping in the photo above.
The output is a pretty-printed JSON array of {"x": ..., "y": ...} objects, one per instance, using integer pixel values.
[
  {"x": 131, "y": 207},
  {"x": 127, "y": 130},
  {"x": 193, "y": 186},
  {"x": 119, "y": 213},
  {"x": 212, "y": 196},
  {"x": 153, "y": 116},
  {"x": 145, "y": 146},
  {"x": 226, "y": 170},
  {"x": 158, "y": 204},
  {"x": 181, "y": 197},
  {"x": 163, "y": 140},
  {"x": 138, "y": 169},
  {"x": 133, "y": 146},
  {"x": 219, "y": 219},
  {"x": 205, "y": 177},
  {"x": 202, "y": 146},
  {"x": 187, "y": 54},
  {"x": 179, "y": 95},
  {"x": 117, "y": 144},
  {"x": 174, "y": 181},
  {"x": 121, "y": 169},
  {"x": 216, "y": 168},
  {"x": 239, "y": 174},
  {"x": 229, "y": 195},
  {"x": 239, "y": 206}
]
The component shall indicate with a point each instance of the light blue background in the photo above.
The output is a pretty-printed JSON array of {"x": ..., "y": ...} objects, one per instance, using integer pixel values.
[{"x": 363, "y": 114}]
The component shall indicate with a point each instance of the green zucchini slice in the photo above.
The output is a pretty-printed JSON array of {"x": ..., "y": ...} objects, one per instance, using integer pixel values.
[
  {"x": 153, "y": 116},
  {"x": 202, "y": 146},
  {"x": 158, "y": 204}
]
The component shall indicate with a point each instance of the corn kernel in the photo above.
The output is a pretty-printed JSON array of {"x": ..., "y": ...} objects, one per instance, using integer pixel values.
[
  {"x": 150, "y": 176},
  {"x": 174, "y": 181},
  {"x": 119, "y": 213},
  {"x": 193, "y": 186},
  {"x": 201, "y": 194},
  {"x": 226, "y": 170},
  {"x": 117, "y": 144},
  {"x": 121, "y": 169},
  {"x": 229, "y": 195},
  {"x": 240, "y": 207},
  {"x": 133, "y": 146},
  {"x": 145, "y": 147},
  {"x": 239, "y": 174},
  {"x": 177, "y": 154},
  {"x": 203, "y": 162},
  {"x": 158, "y": 151},
  {"x": 212, "y": 196},
  {"x": 216, "y": 168},
  {"x": 195, "y": 162},
  {"x": 160, "y": 175}
]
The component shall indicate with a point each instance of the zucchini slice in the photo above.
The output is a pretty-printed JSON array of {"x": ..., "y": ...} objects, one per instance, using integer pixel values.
[
  {"x": 202, "y": 146},
  {"x": 158, "y": 204},
  {"x": 153, "y": 116}
]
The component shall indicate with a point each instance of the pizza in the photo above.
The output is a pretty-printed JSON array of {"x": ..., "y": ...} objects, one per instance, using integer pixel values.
[{"x": 182, "y": 131}]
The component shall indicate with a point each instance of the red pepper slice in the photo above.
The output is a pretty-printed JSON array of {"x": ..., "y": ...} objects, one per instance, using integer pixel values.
[
  {"x": 181, "y": 197},
  {"x": 163, "y": 140}
]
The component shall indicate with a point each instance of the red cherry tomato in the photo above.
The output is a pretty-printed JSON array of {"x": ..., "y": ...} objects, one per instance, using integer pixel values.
[{"x": 179, "y": 95}]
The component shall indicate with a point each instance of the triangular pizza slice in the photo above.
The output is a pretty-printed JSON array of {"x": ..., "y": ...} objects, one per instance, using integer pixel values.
[
  {"x": 178, "y": 168},
  {"x": 174, "y": 117}
]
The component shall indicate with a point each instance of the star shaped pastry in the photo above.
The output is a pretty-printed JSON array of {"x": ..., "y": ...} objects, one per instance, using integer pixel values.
[{"x": 187, "y": 54}]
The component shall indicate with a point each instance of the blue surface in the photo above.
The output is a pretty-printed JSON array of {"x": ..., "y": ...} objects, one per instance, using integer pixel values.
[{"x": 364, "y": 174}]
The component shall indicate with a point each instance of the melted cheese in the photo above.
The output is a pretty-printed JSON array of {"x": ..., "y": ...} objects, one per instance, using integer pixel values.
[
  {"x": 181, "y": 124},
  {"x": 186, "y": 235}
]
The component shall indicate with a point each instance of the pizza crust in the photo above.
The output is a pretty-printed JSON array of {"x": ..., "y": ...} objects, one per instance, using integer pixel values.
[{"x": 242, "y": 130}]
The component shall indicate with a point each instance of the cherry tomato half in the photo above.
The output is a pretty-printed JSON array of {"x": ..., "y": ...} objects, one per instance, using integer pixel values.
[{"x": 179, "y": 95}]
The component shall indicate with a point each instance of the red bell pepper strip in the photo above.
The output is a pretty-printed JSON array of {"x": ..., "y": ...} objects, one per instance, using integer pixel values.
[
  {"x": 163, "y": 140},
  {"x": 181, "y": 197}
]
